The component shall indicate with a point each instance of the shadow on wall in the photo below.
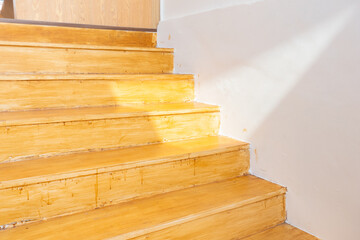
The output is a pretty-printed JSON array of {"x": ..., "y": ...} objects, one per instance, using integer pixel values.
[{"x": 285, "y": 74}]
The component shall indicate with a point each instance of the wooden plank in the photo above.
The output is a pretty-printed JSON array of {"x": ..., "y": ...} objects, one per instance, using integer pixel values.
[
  {"x": 245, "y": 204},
  {"x": 123, "y": 175},
  {"x": 82, "y": 164},
  {"x": 8, "y": 119},
  {"x": 72, "y": 35},
  {"x": 282, "y": 232},
  {"x": 53, "y": 133},
  {"x": 36, "y": 58},
  {"x": 92, "y": 90},
  {"x": 228, "y": 225},
  {"x": 125, "y": 13}
]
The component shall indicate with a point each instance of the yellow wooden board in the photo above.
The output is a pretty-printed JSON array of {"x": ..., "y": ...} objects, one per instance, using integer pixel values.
[
  {"x": 282, "y": 232},
  {"x": 55, "y": 58},
  {"x": 28, "y": 134},
  {"x": 253, "y": 204},
  {"x": 54, "y": 91},
  {"x": 71, "y": 35},
  {"x": 56, "y": 186}
]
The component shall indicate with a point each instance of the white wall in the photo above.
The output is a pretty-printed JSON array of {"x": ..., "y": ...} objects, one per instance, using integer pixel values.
[{"x": 287, "y": 76}]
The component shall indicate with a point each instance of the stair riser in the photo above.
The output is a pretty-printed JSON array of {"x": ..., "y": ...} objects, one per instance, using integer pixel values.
[
  {"x": 24, "y": 95},
  {"x": 229, "y": 225},
  {"x": 57, "y": 60},
  {"x": 59, "y": 197},
  {"x": 68, "y": 35},
  {"x": 18, "y": 142}
]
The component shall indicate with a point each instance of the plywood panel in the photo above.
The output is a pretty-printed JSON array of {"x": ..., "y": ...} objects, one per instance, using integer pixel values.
[{"x": 124, "y": 13}]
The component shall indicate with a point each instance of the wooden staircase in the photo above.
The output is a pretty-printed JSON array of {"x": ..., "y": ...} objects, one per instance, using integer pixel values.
[{"x": 99, "y": 140}]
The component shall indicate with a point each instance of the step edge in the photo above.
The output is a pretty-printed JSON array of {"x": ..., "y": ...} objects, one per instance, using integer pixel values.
[
  {"x": 93, "y": 77},
  {"x": 119, "y": 167},
  {"x": 199, "y": 215},
  {"x": 84, "y": 47},
  {"x": 206, "y": 108}
]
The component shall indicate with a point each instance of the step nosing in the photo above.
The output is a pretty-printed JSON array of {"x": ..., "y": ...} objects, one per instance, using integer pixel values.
[
  {"x": 84, "y": 47},
  {"x": 94, "y": 77},
  {"x": 102, "y": 116}
]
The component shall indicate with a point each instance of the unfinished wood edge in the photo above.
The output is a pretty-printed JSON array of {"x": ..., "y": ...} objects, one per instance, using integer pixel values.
[
  {"x": 84, "y": 47},
  {"x": 115, "y": 168}
]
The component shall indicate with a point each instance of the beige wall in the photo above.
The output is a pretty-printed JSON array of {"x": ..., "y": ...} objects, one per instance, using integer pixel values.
[
  {"x": 123, "y": 13},
  {"x": 287, "y": 75}
]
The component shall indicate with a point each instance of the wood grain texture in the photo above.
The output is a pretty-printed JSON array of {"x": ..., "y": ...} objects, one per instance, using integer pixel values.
[
  {"x": 282, "y": 232},
  {"x": 54, "y": 132},
  {"x": 121, "y": 176},
  {"x": 69, "y": 91},
  {"x": 124, "y": 13},
  {"x": 52, "y": 58},
  {"x": 71, "y": 35},
  {"x": 245, "y": 204}
]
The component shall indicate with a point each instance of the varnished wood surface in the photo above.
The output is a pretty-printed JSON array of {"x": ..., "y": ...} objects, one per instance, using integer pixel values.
[
  {"x": 124, "y": 13},
  {"x": 24, "y": 92},
  {"x": 17, "y": 118},
  {"x": 282, "y": 232},
  {"x": 29, "y": 134},
  {"x": 70, "y": 35},
  {"x": 80, "y": 182},
  {"x": 22, "y": 173},
  {"x": 260, "y": 204},
  {"x": 24, "y": 58}
]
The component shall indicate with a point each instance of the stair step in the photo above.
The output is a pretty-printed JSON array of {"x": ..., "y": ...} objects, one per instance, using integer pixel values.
[
  {"x": 47, "y": 132},
  {"x": 218, "y": 211},
  {"x": 73, "y": 35},
  {"x": 282, "y": 232},
  {"x": 38, "y": 91},
  {"x": 34, "y": 57},
  {"x": 66, "y": 183}
]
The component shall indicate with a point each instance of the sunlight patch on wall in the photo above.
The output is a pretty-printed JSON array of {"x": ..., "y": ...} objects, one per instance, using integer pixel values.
[{"x": 268, "y": 78}]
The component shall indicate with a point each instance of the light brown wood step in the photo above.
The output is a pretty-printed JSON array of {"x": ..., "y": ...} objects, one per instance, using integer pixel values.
[
  {"x": 34, "y": 57},
  {"x": 32, "y": 133},
  {"x": 72, "y": 35},
  {"x": 282, "y": 232},
  {"x": 38, "y": 91},
  {"x": 218, "y": 211},
  {"x": 67, "y": 183}
]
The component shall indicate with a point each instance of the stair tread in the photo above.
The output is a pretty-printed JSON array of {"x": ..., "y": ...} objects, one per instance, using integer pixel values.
[
  {"x": 84, "y": 46},
  {"x": 282, "y": 232},
  {"x": 22, "y": 173},
  {"x": 75, "y": 35},
  {"x": 94, "y": 113},
  {"x": 147, "y": 215},
  {"x": 43, "y": 77}
]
